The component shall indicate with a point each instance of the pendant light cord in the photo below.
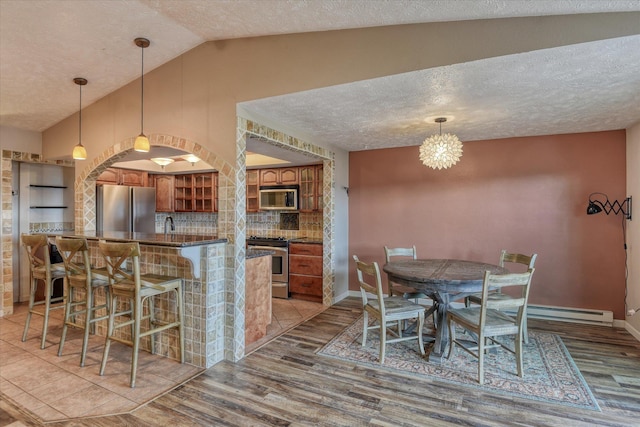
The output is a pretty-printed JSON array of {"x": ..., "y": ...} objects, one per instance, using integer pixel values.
[
  {"x": 80, "y": 119},
  {"x": 142, "y": 94}
]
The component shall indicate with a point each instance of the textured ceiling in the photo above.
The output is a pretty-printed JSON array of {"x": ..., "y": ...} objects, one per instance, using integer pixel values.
[
  {"x": 582, "y": 88},
  {"x": 592, "y": 86}
]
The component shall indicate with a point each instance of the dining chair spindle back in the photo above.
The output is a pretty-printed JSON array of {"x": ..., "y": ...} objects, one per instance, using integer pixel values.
[
  {"x": 527, "y": 261},
  {"x": 487, "y": 321},
  {"x": 385, "y": 310}
]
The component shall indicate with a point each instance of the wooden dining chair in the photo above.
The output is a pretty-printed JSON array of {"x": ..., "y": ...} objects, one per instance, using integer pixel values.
[
  {"x": 41, "y": 269},
  {"x": 396, "y": 289},
  {"x": 133, "y": 289},
  {"x": 386, "y": 310},
  {"x": 528, "y": 261},
  {"x": 487, "y": 321},
  {"x": 82, "y": 283}
]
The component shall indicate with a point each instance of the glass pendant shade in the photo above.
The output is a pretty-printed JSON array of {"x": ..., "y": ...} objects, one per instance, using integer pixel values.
[
  {"x": 142, "y": 144},
  {"x": 191, "y": 159},
  {"x": 162, "y": 161},
  {"x": 79, "y": 152}
]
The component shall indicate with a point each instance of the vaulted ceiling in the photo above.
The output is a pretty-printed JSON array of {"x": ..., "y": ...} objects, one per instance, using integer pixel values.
[{"x": 575, "y": 88}]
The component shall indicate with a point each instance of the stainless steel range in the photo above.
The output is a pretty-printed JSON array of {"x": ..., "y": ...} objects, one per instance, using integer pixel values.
[{"x": 280, "y": 261}]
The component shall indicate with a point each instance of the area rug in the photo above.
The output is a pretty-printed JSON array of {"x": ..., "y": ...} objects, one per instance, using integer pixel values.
[{"x": 550, "y": 375}]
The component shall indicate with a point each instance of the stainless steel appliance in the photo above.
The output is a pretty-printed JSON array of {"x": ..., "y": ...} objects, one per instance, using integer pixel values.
[
  {"x": 127, "y": 209},
  {"x": 280, "y": 262},
  {"x": 279, "y": 197}
]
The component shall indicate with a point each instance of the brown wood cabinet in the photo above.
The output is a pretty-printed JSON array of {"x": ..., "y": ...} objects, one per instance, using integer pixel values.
[
  {"x": 278, "y": 176},
  {"x": 183, "y": 198},
  {"x": 196, "y": 192},
  {"x": 117, "y": 176},
  {"x": 252, "y": 190},
  {"x": 305, "y": 271},
  {"x": 164, "y": 185},
  {"x": 205, "y": 197},
  {"x": 311, "y": 188}
]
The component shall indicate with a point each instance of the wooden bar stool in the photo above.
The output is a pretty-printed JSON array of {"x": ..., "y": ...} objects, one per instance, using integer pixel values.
[
  {"x": 81, "y": 277},
  {"x": 134, "y": 288},
  {"x": 40, "y": 268}
]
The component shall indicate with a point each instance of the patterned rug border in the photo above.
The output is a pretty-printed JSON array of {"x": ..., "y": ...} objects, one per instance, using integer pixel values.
[{"x": 592, "y": 405}]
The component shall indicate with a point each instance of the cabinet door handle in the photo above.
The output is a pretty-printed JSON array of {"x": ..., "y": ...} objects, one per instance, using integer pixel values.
[
  {"x": 306, "y": 285},
  {"x": 304, "y": 265}
]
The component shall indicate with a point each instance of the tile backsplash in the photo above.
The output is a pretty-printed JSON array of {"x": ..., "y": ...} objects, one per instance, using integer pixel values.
[{"x": 258, "y": 224}]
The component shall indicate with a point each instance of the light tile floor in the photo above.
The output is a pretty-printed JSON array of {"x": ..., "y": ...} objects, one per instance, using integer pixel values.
[{"x": 56, "y": 388}]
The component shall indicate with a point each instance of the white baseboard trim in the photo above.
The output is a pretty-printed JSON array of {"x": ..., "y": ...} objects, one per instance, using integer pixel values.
[
  {"x": 633, "y": 331},
  {"x": 564, "y": 314}
]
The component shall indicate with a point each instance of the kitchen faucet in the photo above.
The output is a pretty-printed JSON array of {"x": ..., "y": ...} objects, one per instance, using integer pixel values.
[{"x": 170, "y": 220}]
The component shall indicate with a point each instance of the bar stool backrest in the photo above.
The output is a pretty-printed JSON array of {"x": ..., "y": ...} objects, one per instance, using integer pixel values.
[
  {"x": 37, "y": 247},
  {"x": 116, "y": 255},
  {"x": 74, "y": 265}
]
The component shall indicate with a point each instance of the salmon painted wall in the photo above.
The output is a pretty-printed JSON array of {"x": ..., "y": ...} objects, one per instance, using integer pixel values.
[{"x": 522, "y": 194}]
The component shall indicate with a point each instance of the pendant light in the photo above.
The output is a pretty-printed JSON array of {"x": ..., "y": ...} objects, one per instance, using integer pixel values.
[
  {"x": 142, "y": 142},
  {"x": 79, "y": 152},
  {"x": 441, "y": 151}
]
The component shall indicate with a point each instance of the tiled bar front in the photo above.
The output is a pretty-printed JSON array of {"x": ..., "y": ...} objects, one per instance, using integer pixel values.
[{"x": 203, "y": 299}]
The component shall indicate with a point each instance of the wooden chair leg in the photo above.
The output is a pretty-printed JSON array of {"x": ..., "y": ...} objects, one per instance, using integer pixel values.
[
  {"x": 519, "y": 340},
  {"x": 107, "y": 342},
  {"x": 481, "y": 342},
  {"x": 420, "y": 327},
  {"x": 180, "y": 303},
  {"x": 67, "y": 316},
  {"x": 364, "y": 330},
  {"x": 383, "y": 340},
  {"x": 87, "y": 324},
  {"x": 137, "y": 314},
  {"x": 47, "y": 309},
  {"x": 32, "y": 299},
  {"x": 152, "y": 323}
]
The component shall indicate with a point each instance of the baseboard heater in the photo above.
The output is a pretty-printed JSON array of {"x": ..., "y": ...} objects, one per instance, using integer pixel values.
[{"x": 568, "y": 314}]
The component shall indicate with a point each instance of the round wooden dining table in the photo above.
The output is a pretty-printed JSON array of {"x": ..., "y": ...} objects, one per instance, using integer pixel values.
[{"x": 442, "y": 280}]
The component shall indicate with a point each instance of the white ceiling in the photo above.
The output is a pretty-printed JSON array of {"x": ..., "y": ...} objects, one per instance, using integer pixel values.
[{"x": 594, "y": 86}]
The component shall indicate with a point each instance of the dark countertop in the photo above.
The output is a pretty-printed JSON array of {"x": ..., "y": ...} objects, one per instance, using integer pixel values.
[{"x": 156, "y": 239}]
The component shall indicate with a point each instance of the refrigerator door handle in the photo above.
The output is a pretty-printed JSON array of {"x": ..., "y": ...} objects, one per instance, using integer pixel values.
[{"x": 133, "y": 213}]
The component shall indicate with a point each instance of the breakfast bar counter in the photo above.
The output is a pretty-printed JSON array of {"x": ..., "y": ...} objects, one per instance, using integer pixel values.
[
  {"x": 199, "y": 260},
  {"x": 159, "y": 239}
]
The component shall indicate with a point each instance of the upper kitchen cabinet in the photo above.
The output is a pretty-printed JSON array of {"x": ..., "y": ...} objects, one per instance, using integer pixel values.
[
  {"x": 196, "y": 192},
  {"x": 164, "y": 185},
  {"x": 311, "y": 188},
  {"x": 117, "y": 176},
  {"x": 205, "y": 197},
  {"x": 279, "y": 176},
  {"x": 252, "y": 190},
  {"x": 184, "y": 193}
]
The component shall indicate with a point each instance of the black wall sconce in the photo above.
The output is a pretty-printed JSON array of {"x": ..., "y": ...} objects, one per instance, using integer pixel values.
[{"x": 596, "y": 206}]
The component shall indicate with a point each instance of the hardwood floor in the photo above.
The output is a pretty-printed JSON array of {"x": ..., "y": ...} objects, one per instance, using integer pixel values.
[{"x": 284, "y": 383}]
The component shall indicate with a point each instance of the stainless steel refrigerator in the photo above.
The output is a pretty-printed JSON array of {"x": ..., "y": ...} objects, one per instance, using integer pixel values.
[{"x": 127, "y": 209}]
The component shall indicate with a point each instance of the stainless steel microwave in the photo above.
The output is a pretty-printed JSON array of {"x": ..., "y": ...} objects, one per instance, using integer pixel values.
[{"x": 279, "y": 197}]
